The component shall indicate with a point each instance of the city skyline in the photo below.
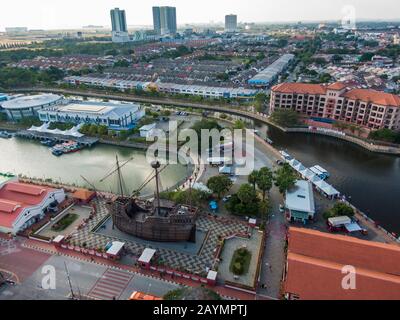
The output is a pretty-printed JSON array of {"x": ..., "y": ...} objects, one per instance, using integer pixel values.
[{"x": 50, "y": 15}]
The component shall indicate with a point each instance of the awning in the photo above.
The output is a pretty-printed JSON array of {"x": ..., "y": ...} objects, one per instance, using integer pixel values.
[
  {"x": 115, "y": 248},
  {"x": 352, "y": 227},
  {"x": 147, "y": 255}
]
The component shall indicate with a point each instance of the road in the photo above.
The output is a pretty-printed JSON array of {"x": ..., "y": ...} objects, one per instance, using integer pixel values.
[
  {"x": 88, "y": 279},
  {"x": 157, "y": 101}
]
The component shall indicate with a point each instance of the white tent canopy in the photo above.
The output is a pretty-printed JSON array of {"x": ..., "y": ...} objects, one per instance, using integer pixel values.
[
  {"x": 306, "y": 173},
  {"x": 44, "y": 128}
]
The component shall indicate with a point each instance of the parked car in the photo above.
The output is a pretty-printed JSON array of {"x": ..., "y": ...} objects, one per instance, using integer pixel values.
[
  {"x": 281, "y": 208},
  {"x": 227, "y": 198}
]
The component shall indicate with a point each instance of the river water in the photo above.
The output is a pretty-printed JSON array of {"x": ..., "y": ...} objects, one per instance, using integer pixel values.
[
  {"x": 371, "y": 180},
  {"x": 30, "y": 158}
]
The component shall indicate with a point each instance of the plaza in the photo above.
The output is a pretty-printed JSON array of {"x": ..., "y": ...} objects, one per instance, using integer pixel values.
[{"x": 173, "y": 255}]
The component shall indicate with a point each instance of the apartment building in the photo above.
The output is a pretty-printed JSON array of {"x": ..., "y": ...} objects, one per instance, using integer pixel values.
[{"x": 367, "y": 108}]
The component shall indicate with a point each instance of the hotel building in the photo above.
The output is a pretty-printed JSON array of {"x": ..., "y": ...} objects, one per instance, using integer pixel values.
[{"x": 367, "y": 108}]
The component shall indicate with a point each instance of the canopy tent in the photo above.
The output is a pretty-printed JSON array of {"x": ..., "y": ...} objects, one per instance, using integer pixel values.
[
  {"x": 315, "y": 179},
  {"x": 299, "y": 167},
  {"x": 331, "y": 191},
  {"x": 213, "y": 205},
  {"x": 293, "y": 163},
  {"x": 114, "y": 248},
  {"x": 201, "y": 187},
  {"x": 352, "y": 227},
  {"x": 147, "y": 255},
  {"x": 44, "y": 128}
]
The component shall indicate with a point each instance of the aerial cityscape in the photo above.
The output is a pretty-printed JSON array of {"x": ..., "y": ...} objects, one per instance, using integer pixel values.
[{"x": 255, "y": 156}]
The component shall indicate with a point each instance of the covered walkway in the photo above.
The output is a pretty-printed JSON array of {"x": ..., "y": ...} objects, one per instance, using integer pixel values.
[{"x": 318, "y": 183}]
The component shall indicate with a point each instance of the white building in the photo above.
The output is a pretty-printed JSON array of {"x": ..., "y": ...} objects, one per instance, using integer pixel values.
[
  {"x": 147, "y": 130},
  {"x": 114, "y": 116},
  {"x": 299, "y": 202},
  {"x": 28, "y": 106},
  {"x": 22, "y": 205}
]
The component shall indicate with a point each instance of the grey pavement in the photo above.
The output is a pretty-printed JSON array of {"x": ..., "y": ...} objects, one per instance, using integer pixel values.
[{"x": 85, "y": 278}]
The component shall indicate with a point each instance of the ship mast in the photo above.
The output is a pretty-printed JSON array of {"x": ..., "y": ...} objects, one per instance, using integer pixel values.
[
  {"x": 119, "y": 177},
  {"x": 156, "y": 165}
]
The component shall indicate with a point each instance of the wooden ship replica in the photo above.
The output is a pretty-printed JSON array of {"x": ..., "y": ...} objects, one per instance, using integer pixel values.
[{"x": 156, "y": 220}]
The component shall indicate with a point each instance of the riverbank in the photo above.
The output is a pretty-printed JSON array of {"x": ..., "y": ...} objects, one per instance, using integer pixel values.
[
  {"x": 364, "y": 219},
  {"x": 376, "y": 148}
]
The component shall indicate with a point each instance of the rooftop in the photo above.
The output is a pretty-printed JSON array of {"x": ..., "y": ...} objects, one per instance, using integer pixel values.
[
  {"x": 31, "y": 101},
  {"x": 300, "y": 197},
  {"x": 373, "y": 96},
  {"x": 316, "y": 261},
  {"x": 16, "y": 196},
  {"x": 97, "y": 108},
  {"x": 299, "y": 88},
  {"x": 367, "y": 95}
]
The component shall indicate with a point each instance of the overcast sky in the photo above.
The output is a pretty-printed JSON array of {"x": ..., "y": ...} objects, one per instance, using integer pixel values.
[{"x": 50, "y": 14}]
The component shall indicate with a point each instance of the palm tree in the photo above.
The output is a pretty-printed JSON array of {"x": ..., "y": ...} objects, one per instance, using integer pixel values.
[
  {"x": 264, "y": 180},
  {"x": 253, "y": 178}
]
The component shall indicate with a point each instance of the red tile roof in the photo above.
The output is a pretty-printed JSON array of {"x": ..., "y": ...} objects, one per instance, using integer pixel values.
[
  {"x": 316, "y": 259},
  {"x": 336, "y": 86},
  {"x": 8, "y": 206},
  {"x": 15, "y": 197},
  {"x": 377, "y": 97},
  {"x": 367, "y": 95},
  {"x": 300, "y": 88}
]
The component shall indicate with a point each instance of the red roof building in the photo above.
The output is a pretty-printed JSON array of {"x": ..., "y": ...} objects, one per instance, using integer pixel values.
[
  {"x": 21, "y": 205},
  {"x": 367, "y": 108},
  {"x": 317, "y": 262}
]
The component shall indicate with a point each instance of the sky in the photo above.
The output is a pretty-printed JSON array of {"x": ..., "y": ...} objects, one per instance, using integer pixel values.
[{"x": 55, "y": 14}]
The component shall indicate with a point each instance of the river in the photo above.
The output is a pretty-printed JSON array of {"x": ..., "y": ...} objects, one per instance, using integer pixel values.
[
  {"x": 30, "y": 158},
  {"x": 371, "y": 180}
]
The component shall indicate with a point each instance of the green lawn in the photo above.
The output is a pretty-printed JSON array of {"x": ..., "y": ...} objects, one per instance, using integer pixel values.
[
  {"x": 65, "y": 222},
  {"x": 240, "y": 262}
]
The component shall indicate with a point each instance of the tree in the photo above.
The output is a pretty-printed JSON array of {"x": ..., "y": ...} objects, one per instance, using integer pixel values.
[
  {"x": 286, "y": 118},
  {"x": 386, "y": 135},
  {"x": 246, "y": 194},
  {"x": 342, "y": 209},
  {"x": 244, "y": 202},
  {"x": 264, "y": 180},
  {"x": 253, "y": 178},
  {"x": 239, "y": 124},
  {"x": 219, "y": 185},
  {"x": 285, "y": 178},
  {"x": 260, "y": 101},
  {"x": 367, "y": 56}
]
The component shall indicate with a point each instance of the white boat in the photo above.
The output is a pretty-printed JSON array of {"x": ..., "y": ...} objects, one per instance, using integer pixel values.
[
  {"x": 5, "y": 134},
  {"x": 320, "y": 172},
  {"x": 285, "y": 155}
]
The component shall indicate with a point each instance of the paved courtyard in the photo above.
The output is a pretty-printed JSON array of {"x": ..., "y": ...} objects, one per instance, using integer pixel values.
[
  {"x": 82, "y": 211},
  {"x": 173, "y": 258},
  {"x": 254, "y": 246}
]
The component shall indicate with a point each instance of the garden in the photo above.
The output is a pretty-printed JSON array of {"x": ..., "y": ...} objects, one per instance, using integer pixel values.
[
  {"x": 65, "y": 222},
  {"x": 240, "y": 261}
]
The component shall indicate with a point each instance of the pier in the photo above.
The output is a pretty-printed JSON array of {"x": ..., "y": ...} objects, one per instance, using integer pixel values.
[{"x": 35, "y": 135}]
